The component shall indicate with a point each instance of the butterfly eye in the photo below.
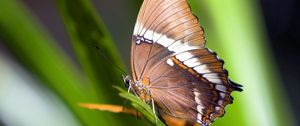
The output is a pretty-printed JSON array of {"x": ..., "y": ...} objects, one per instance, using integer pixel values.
[{"x": 126, "y": 80}]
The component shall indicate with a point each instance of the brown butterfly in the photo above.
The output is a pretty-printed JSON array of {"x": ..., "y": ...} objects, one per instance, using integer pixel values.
[{"x": 173, "y": 70}]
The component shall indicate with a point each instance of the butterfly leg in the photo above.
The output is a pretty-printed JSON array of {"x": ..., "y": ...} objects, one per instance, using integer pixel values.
[
  {"x": 129, "y": 88},
  {"x": 153, "y": 109}
]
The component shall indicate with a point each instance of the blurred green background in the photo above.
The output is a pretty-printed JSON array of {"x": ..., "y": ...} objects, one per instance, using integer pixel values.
[{"x": 48, "y": 63}]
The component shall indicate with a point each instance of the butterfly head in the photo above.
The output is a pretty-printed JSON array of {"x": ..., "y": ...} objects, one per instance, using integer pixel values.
[{"x": 137, "y": 87}]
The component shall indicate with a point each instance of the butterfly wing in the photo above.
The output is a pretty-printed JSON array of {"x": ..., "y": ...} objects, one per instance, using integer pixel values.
[
  {"x": 187, "y": 80},
  {"x": 195, "y": 88},
  {"x": 163, "y": 28}
]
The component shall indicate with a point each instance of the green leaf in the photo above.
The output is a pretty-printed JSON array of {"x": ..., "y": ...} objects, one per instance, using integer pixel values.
[{"x": 141, "y": 107}]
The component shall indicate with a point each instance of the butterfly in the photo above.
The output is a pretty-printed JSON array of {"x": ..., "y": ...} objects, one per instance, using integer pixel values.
[{"x": 173, "y": 70}]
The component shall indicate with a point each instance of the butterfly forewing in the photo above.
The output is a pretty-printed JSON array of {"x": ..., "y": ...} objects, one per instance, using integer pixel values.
[
  {"x": 165, "y": 25},
  {"x": 186, "y": 80}
]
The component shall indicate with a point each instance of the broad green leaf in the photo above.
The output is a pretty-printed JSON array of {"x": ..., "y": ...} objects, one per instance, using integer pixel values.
[
  {"x": 96, "y": 54},
  {"x": 37, "y": 51},
  {"x": 235, "y": 30},
  {"x": 87, "y": 33}
]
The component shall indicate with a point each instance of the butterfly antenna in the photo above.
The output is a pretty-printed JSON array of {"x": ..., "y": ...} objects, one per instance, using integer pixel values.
[{"x": 108, "y": 59}]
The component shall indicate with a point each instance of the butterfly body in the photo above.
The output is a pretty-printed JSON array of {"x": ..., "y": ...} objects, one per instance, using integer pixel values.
[{"x": 173, "y": 69}]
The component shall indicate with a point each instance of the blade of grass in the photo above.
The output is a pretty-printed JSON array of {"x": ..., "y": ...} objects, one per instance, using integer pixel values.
[
  {"x": 140, "y": 106},
  {"x": 86, "y": 31},
  {"x": 29, "y": 42}
]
